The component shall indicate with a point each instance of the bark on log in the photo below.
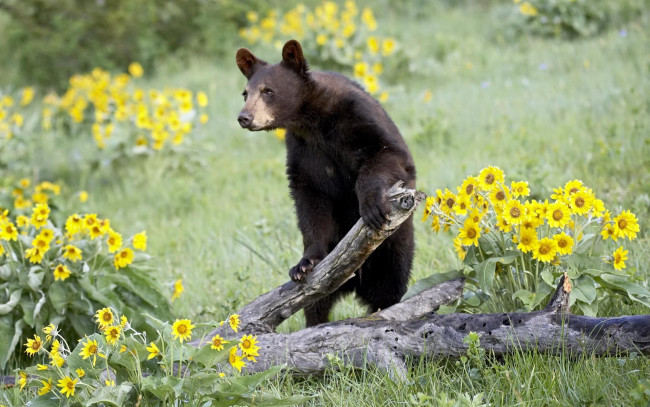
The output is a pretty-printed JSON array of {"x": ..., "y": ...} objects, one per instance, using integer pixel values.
[
  {"x": 387, "y": 343},
  {"x": 266, "y": 312}
]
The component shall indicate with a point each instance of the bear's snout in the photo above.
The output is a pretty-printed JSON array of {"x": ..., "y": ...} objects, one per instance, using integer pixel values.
[{"x": 245, "y": 119}]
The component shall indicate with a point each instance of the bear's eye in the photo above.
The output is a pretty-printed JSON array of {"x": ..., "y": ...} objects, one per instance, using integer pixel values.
[
  {"x": 245, "y": 95},
  {"x": 268, "y": 91}
]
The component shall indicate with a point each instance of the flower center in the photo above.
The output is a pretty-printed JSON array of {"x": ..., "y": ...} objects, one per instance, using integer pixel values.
[
  {"x": 573, "y": 190},
  {"x": 469, "y": 189},
  {"x": 500, "y": 195},
  {"x": 471, "y": 233},
  {"x": 515, "y": 212},
  {"x": 92, "y": 349},
  {"x": 562, "y": 243},
  {"x": 544, "y": 249},
  {"x": 580, "y": 202},
  {"x": 557, "y": 214},
  {"x": 182, "y": 329},
  {"x": 622, "y": 224},
  {"x": 124, "y": 254},
  {"x": 70, "y": 385},
  {"x": 450, "y": 202},
  {"x": 246, "y": 344},
  {"x": 525, "y": 240},
  {"x": 216, "y": 342},
  {"x": 107, "y": 317},
  {"x": 36, "y": 345},
  {"x": 489, "y": 179}
]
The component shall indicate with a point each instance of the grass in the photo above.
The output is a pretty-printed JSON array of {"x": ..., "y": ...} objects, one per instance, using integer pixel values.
[{"x": 546, "y": 111}]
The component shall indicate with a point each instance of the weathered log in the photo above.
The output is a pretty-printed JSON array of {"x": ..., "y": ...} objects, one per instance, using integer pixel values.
[
  {"x": 387, "y": 343},
  {"x": 266, "y": 312}
]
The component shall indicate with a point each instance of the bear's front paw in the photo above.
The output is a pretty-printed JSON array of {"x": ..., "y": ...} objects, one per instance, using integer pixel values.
[
  {"x": 374, "y": 215},
  {"x": 300, "y": 270}
]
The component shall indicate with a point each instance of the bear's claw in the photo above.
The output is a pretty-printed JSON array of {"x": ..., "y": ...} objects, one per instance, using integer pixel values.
[{"x": 300, "y": 270}]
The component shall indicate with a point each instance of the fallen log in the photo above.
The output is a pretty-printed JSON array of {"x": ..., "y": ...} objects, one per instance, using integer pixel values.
[
  {"x": 387, "y": 343},
  {"x": 266, "y": 312}
]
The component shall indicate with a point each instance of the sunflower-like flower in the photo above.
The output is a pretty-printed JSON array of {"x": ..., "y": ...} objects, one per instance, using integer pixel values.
[
  {"x": 619, "y": 256},
  {"x": 527, "y": 240},
  {"x": 233, "y": 320},
  {"x": 248, "y": 346},
  {"x": 545, "y": 250},
  {"x": 558, "y": 214},
  {"x": 182, "y": 329},
  {"x": 564, "y": 243},
  {"x": 89, "y": 349},
  {"x": 235, "y": 360},
  {"x": 72, "y": 253},
  {"x": 61, "y": 272},
  {"x": 490, "y": 177},
  {"x": 469, "y": 233},
  {"x": 626, "y": 225},
  {"x": 67, "y": 386},
  {"x": 580, "y": 202},
  {"x": 514, "y": 212},
  {"x": 123, "y": 258},
  {"x": 217, "y": 342},
  {"x": 34, "y": 345},
  {"x": 460, "y": 249},
  {"x": 112, "y": 334},
  {"x": 104, "y": 317},
  {"x": 153, "y": 351},
  {"x": 46, "y": 388}
]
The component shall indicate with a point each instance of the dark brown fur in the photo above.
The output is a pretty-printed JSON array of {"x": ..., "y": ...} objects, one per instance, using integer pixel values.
[{"x": 343, "y": 153}]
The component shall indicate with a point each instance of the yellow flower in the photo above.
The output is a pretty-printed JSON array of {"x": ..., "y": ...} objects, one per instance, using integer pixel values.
[
  {"x": 140, "y": 241},
  {"x": 57, "y": 360},
  {"x": 136, "y": 70},
  {"x": 72, "y": 253},
  {"x": 47, "y": 386},
  {"x": 67, "y": 386},
  {"x": 178, "y": 289},
  {"x": 83, "y": 196},
  {"x": 218, "y": 342},
  {"x": 27, "y": 96},
  {"x": 23, "y": 380},
  {"x": 489, "y": 177},
  {"x": 22, "y": 221},
  {"x": 89, "y": 349},
  {"x": 626, "y": 225},
  {"x": 112, "y": 334},
  {"x": 469, "y": 233},
  {"x": 609, "y": 232},
  {"x": 233, "y": 320},
  {"x": 41, "y": 367},
  {"x": 9, "y": 232},
  {"x": 40, "y": 214},
  {"x": 61, "y": 272},
  {"x": 564, "y": 243},
  {"x": 499, "y": 196},
  {"x": 109, "y": 382},
  {"x": 558, "y": 215},
  {"x": 114, "y": 241},
  {"x": 514, "y": 212},
  {"x": 104, "y": 317},
  {"x": 527, "y": 9},
  {"x": 503, "y": 225},
  {"x": 545, "y": 250},
  {"x": 469, "y": 187},
  {"x": 153, "y": 351},
  {"x": 387, "y": 46},
  {"x": 571, "y": 187},
  {"x": 235, "y": 360},
  {"x": 373, "y": 45},
  {"x": 462, "y": 205},
  {"x": 580, "y": 202},
  {"x": 33, "y": 345},
  {"x": 202, "y": 99},
  {"x": 182, "y": 329},
  {"x": 369, "y": 19},
  {"x": 74, "y": 224},
  {"x": 527, "y": 240},
  {"x": 55, "y": 347},
  {"x": 519, "y": 189},
  {"x": 123, "y": 348},
  {"x": 460, "y": 249},
  {"x": 80, "y": 372},
  {"x": 123, "y": 258},
  {"x": 248, "y": 345},
  {"x": 620, "y": 256},
  {"x": 34, "y": 255}
]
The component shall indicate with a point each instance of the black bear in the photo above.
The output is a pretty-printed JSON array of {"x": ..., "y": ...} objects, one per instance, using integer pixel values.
[{"x": 343, "y": 153}]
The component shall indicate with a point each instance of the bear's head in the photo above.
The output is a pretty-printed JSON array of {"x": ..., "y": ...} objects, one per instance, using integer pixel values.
[{"x": 274, "y": 93}]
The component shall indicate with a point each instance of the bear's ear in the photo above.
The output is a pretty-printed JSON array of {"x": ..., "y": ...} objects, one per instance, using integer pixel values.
[
  {"x": 247, "y": 62},
  {"x": 292, "y": 56}
]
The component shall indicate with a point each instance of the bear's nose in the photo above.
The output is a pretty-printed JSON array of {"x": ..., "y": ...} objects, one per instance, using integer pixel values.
[{"x": 244, "y": 119}]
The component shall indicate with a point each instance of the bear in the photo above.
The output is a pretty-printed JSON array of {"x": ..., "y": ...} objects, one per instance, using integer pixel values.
[{"x": 343, "y": 154}]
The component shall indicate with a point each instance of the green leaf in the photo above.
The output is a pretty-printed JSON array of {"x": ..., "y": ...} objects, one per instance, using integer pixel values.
[
  {"x": 45, "y": 400},
  {"x": 590, "y": 310},
  {"x": 8, "y": 329},
  {"x": 485, "y": 270},
  {"x": 431, "y": 281},
  {"x": 209, "y": 357},
  {"x": 8, "y": 306},
  {"x": 35, "y": 277},
  {"x": 111, "y": 395},
  {"x": 163, "y": 388},
  {"x": 584, "y": 289},
  {"x": 59, "y": 297},
  {"x": 527, "y": 297},
  {"x": 634, "y": 291}
]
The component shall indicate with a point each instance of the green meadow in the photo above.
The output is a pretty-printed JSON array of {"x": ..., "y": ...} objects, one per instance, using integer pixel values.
[{"x": 469, "y": 94}]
